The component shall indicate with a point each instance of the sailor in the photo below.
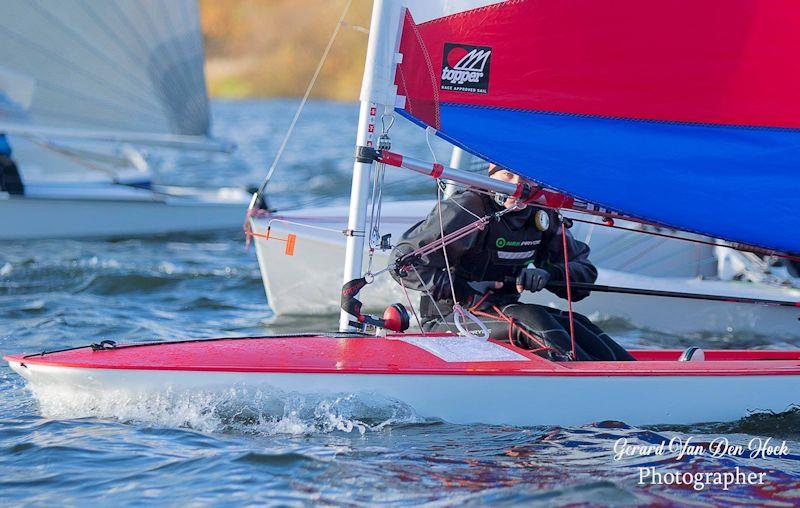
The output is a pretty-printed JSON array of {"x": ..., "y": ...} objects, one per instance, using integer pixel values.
[
  {"x": 522, "y": 250},
  {"x": 10, "y": 180}
]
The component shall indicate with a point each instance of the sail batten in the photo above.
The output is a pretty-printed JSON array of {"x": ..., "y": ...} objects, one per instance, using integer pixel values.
[{"x": 682, "y": 113}]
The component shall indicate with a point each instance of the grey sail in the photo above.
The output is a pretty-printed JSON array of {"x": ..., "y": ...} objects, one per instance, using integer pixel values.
[{"x": 127, "y": 66}]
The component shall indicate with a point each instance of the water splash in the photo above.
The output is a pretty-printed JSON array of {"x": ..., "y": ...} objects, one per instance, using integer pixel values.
[{"x": 240, "y": 410}]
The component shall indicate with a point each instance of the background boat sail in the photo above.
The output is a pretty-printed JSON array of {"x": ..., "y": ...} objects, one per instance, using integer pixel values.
[
  {"x": 687, "y": 165},
  {"x": 454, "y": 377},
  {"x": 81, "y": 85}
]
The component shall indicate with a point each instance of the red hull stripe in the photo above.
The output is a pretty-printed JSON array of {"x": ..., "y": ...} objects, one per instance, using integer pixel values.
[
  {"x": 371, "y": 355},
  {"x": 729, "y": 62}
]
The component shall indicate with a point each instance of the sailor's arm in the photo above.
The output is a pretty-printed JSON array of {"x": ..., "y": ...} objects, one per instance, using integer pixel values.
[
  {"x": 431, "y": 268},
  {"x": 580, "y": 268}
]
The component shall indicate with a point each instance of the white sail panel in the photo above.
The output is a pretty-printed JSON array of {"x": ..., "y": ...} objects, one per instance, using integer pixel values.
[
  {"x": 121, "y": 65},
  {"x": 426, "y": 10}
]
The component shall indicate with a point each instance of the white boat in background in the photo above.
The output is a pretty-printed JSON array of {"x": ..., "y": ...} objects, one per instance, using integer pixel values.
[
  {"x": 84, "y": 89},
  {"x": 308, "y": 282},
  {"x": 90, "y": 210}
]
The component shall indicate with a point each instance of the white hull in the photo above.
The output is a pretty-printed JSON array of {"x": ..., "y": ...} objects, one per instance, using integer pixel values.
[
  {"x": 499, "y": 399},
  {"x": 103, "y": 210},
  {"x": 309, "y": 282}
]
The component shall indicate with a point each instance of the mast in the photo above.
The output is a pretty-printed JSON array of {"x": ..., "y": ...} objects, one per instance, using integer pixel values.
[
  {"x": 378, "y": 97},
  {"x": 459, "y": 159}
]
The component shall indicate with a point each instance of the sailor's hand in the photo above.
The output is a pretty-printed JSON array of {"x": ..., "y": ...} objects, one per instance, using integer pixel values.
[
  {"x": 441, "y": 289},
  {"x": 532, "y": 279},
  {"x": 484, "y": 286}
]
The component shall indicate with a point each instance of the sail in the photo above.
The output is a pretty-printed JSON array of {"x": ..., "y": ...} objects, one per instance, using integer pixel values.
[
  {"x": 117, "y": 65},
  {"x": 684, "y": 113},
  {"x": 426, "y": 10}
]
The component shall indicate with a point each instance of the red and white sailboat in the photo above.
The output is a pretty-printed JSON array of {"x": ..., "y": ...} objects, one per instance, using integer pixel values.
[
  {"x": 601, "y": 101},
  {"x": 458, "y": 379}
]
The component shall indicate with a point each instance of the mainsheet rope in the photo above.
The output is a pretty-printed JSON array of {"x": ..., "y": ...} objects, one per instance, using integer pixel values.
[
  {"x": 512, "y": 325},
  {"x": 568, "y": 285}
]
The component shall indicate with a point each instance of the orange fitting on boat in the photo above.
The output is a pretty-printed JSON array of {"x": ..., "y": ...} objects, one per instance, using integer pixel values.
[{"x": 290, "y": 240}]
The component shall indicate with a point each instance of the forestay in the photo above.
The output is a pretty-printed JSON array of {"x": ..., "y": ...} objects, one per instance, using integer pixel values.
[
  {"x": 683, "y": 113},
  {"x": 118, "y": 65}
]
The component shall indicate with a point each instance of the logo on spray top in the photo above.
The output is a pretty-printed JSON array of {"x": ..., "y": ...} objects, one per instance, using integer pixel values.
[
  {"x": 465, "y": 68},
  {"x": 502, "y": 242}
]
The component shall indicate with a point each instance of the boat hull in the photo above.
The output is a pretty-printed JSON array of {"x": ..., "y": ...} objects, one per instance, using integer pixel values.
[
  {"x": 486, "y": 382},
  {"x": 69, "y": 211},
  {"x": 510, "y": 400}
]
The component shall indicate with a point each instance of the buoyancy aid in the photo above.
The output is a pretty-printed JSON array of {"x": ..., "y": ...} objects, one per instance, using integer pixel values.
[{"x": 503, "y": 249}]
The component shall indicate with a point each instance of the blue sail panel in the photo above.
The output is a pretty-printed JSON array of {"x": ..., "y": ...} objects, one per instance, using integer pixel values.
[
  {"x": 683, "y": 113},
  {"x": 737, "y": 183}
]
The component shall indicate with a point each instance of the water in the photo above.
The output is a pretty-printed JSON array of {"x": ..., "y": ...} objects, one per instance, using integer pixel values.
[{"x": 255, "y": 448}]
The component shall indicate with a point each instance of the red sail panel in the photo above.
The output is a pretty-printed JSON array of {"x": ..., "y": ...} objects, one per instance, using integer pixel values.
[{"x": 731, "y": 62}]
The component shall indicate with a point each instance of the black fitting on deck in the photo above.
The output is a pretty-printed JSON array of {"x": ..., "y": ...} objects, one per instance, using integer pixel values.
[{"x": 367, "y": 154}]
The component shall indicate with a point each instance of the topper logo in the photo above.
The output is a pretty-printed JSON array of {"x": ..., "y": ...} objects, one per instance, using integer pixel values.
[
  {"x": 468, "y": 68},
  {"x": 465, "y": 68}
]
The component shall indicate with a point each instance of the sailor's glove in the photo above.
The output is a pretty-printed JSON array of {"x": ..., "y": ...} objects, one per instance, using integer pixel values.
[{"x": 532, "y": 279}]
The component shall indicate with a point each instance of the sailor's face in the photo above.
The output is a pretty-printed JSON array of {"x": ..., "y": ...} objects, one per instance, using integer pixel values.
[{"x": 508, "y": 176}]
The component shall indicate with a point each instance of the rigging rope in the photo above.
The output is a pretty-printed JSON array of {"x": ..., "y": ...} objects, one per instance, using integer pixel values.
[
  {"x": 444, "y": 247},
  {"x": 569, "y": 287},
  {"x": 735, "y": 246},
  {"x": 512, "y": 326},
  {"x": 375, "y": 215},
  {"x": 302, "y": 104},
  {"x": 374, "y": 239},
  {"x": 411, "y": 305},
  {"x": 251, "y": 209},
  {"x": 432, "y": 299}
]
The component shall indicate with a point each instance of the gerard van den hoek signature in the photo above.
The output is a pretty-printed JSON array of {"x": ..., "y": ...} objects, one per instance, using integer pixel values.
[{"x": 718, "y": 447}]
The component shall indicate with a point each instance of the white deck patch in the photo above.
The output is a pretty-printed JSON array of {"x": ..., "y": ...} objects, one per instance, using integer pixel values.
[{"x": 464, "y": 349}]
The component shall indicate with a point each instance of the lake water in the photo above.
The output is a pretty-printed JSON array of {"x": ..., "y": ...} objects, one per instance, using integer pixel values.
[{"x": 338, "y": 451}]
